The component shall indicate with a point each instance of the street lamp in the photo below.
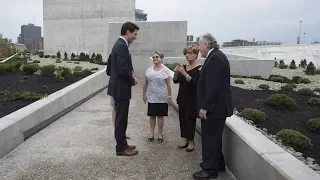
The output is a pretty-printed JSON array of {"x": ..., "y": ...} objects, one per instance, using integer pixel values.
[{"x": 299, "y": 33}]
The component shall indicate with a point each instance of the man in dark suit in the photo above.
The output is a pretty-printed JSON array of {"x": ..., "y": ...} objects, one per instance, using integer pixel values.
[
  {"x": 120, "y": 83},
  {"x": 214, "y": 103}
]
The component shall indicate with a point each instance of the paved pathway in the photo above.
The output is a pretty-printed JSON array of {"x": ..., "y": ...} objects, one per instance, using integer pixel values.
[{"x": 80, "y": 145}]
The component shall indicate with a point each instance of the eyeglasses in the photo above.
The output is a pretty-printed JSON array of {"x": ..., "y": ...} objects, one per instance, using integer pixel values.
[{"x": 154, "y": 57}]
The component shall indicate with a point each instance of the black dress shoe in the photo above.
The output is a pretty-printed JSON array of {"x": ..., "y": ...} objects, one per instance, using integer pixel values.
[{"x": 202, "y": 175}]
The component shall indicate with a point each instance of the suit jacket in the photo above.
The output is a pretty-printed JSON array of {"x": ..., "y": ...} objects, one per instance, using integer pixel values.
[
  {"x": 214, "y": 91},
  {"x": 108, "y": 70},
  {"x": 121, "y": 79}
]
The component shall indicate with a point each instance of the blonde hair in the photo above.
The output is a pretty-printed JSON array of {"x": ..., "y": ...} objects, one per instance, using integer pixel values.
[{"x": 192, "y": 47}]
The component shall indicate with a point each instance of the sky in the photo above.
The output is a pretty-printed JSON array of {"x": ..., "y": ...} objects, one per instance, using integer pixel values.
[{"x": 270, "y": 20}]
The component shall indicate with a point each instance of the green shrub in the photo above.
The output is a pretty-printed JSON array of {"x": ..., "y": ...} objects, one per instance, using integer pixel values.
[
  {"x": 303, "y": 63},
  {"x": 314, "y": 101},
  {"x": 281, "y": 101},
  {"x": 76, "y": 62},
  {"x": 58, "y": 61},
  {"x": 314, "y": 125},
  {"x": 2, "y": 69},
  {"x": 30, "y": 68},
  {"x": 58, "y": 55},
  {"x": 59, "y": 78},
  {"x": 317, "y": 90},
  {"x": 306, "y": 92},
  {"x": 73, "y": 56},
  {"x": 294, "y": 139},
  {"x": 318, "y": 71},
  {"x": 48, "y": 70},
  {"x": 311, "y": 69},
  {"x": 64, "y": 71},
  {"x": 46, "y": 56},
  {"x": 53, "y": 56},
  {"x": 293, "y": 65},
  {"x": 283, "y": 66},
  {"x": 264, "y": 86},
  {"x": 77, "y": 68},
  {"x": 26, "y": 95},
  {"x": 255, "y": 115},
  {"x": 77, "y": 73},
  {"x": 41, "y": 54},
  {"x": 17, "y": 65},
  {"x": 36, "y": 61},
  {"x": 239, "y": 81},
  {"x": 94, "y": 69},
  {"x": 9, "y": 67},
  {"x": 288, "y": 87},
  {"x": 171, "y": 66},
  {"x": 304, "y": 81},
  {"x": 86, "y": 72},
  {"x": 277, "y": 79},
  {"x": 257, "y": 77}
]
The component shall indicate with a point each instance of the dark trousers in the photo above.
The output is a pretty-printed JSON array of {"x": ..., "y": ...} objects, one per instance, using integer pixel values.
[
  {"x": 121, "y": 123},
  {"x": 187, "y": 118},
  {"x": 211, "y": 137}
]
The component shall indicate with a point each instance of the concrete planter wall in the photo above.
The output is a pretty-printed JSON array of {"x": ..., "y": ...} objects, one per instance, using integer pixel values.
[{"x": 21, "y": 124}]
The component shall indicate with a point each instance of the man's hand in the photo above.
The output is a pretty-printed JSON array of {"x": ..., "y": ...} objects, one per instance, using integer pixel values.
[
  {"x": 203, "y": 114},
  {"x": 135, "y": 81}
]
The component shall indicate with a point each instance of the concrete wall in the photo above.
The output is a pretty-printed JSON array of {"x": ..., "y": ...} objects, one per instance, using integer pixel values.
[
  {"x": 283, "y": 52},
  {"x": 239, "y": 65},
  {"x": 249, "y": 155},
  {"x": 168, "y": 37},
  {"x": 81, "y": 25},
  {"x": 21, "y": 124}
]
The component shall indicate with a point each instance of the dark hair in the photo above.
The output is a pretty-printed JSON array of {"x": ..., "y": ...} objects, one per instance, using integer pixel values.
[
  {"x": 161, "y": 55},
  {"x": 128, "y": 26}
]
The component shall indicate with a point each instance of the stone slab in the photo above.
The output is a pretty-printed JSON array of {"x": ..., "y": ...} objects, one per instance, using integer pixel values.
[{"x": 21, "y": 124}]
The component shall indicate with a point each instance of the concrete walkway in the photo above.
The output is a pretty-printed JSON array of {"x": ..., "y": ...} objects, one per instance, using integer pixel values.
[{"x": 81, "y": 145}]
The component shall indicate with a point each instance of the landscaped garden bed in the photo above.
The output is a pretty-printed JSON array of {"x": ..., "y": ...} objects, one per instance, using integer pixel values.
[{"x": 23, "y": 84}]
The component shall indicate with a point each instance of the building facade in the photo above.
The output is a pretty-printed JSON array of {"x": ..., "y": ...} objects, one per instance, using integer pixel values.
[
  {"x": 30, "y": 36},
  {"x": 241, "y": 42}
]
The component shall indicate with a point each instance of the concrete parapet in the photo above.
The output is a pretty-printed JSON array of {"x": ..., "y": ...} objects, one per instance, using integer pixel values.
[
  {"x": 23, "y": 123},
  {"x": 244, "y": 66}
]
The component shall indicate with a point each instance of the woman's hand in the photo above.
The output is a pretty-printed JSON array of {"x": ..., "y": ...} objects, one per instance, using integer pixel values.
[
  {"x": 169, "y": 99},
  {"x": 176, "y": 69},
  {"x": 145, "y": 99}
]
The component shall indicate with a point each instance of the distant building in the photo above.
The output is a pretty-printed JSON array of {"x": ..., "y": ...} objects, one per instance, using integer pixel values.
[
  {"x": 140, "y": 15},
  {"x": 240, "y": 42},
  {"x": 31, "y": 37},
  {"x": 315, "y": 42}
]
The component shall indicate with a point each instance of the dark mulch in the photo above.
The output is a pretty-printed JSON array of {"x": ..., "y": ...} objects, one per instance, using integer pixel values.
[
  {"x": 282, "y": 119},
  {"x": 10, "y": 81}
]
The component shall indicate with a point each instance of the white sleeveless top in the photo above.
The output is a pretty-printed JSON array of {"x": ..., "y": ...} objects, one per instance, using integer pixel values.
[{"x": 157, "y": 90}]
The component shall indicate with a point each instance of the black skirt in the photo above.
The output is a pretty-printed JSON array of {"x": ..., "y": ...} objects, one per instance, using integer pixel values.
[{"x": 157, "y": 109}]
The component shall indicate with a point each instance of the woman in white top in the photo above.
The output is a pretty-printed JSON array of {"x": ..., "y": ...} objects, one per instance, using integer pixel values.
[{"x": 157, "y": 92}]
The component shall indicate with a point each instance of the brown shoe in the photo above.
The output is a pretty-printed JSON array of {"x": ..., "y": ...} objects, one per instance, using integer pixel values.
[
  {"x": 132, "y": 147},
  {"x": 127, "y": 152}
]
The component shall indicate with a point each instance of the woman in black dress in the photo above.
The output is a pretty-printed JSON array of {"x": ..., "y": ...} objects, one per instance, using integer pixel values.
[{"x": 187, "y": 76}]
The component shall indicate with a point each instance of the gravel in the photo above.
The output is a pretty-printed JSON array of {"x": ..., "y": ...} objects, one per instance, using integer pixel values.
[{"x": 252, "y": 84}]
